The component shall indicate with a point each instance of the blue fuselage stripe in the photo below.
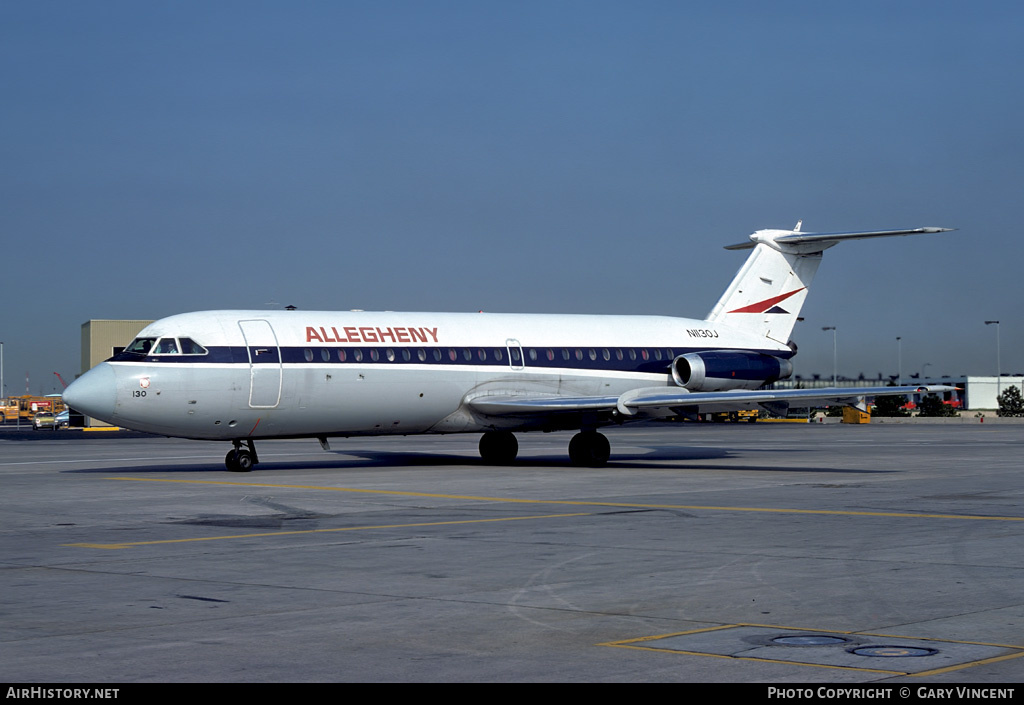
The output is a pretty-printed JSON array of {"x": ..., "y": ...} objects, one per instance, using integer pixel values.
[{"x": 643, "y": 360}]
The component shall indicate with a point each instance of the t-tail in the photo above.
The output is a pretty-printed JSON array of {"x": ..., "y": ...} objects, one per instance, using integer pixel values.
[{"x": 768, "y": 291}]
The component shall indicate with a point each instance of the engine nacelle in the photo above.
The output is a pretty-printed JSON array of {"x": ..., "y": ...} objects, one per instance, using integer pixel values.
[{"x": 722, "y": 370}]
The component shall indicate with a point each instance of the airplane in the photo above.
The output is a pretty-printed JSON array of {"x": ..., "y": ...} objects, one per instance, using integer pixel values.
[{"x": 243, "y": 376}]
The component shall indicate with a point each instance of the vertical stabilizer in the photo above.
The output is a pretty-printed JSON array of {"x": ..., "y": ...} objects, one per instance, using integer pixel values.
[{"x": 767, "y": 292}]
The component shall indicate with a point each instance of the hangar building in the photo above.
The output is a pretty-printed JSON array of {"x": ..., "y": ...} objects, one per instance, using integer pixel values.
[{"x": 102, "y": 339}]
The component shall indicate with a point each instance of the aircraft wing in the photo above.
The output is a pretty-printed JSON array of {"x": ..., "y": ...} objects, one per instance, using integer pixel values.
[{"x": 676, "y": 398}]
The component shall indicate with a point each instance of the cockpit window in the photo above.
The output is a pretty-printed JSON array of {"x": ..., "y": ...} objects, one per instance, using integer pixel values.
[
  {"x": 140, "y": 345},
  {"x": 178, "y": 346},
  {"x": 191, "y": 347},
  {"x": 166, "y": 346}
]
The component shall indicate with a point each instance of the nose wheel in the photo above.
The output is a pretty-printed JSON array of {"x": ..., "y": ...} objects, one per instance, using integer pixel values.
[{"x": 241, "y": 459}]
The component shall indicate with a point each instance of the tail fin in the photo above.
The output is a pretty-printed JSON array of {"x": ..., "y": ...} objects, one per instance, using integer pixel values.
[{"x": 768, "y": 291}]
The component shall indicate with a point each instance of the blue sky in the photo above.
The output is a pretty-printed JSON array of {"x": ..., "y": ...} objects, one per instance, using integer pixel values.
[{"x": 582, "y": 157}]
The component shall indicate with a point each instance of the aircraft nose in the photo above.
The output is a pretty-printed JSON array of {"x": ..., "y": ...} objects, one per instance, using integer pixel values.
[{"x": 94, "y": 393}]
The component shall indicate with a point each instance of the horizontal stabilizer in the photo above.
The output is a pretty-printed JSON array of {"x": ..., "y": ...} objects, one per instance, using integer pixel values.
[{"x": 799, "y": 238}]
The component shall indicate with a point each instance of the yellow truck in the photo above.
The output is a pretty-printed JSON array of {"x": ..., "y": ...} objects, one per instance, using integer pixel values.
[
  {"x": 27, "y": 406},
  {"x": 748, "y": 415}
]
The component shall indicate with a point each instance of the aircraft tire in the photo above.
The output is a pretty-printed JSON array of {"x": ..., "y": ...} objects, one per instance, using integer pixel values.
[
  {"x": 589, "y": 449},
  {"x": 238, "y": 461},
  {"x": 499, "y": 447}
]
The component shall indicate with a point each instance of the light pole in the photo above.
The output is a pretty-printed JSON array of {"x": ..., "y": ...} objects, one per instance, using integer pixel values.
[
  {"x": 834, "y": 352},
  {"x": 899, "y": 361},
  {"x": 999, "y": 364}
]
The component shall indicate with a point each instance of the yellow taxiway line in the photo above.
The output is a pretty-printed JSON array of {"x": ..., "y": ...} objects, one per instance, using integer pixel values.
[{"x": 503, "y": 500}]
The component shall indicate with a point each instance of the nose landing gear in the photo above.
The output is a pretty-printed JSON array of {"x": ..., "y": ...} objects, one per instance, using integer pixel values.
[{"x": 241, "y": 459}]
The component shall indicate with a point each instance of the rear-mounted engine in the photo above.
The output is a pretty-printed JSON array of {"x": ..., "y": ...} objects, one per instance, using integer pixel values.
[{"x": 724, "y": 370}]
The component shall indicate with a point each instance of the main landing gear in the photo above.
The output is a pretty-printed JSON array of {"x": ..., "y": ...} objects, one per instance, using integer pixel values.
[
  {"x": 586, "y": 449},
  {"x": 589, "y": 449},
  {"x": 241, "y": 459},
  {"x": 498, "y": 447}
]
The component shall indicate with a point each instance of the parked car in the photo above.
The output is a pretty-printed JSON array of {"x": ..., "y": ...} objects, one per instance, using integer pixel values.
[
  {"x": 44, "y": 419},
  {"x": 63, "y": 419}
]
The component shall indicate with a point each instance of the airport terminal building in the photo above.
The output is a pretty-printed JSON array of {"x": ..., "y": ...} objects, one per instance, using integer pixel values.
[{"x": 981, "y": 393}]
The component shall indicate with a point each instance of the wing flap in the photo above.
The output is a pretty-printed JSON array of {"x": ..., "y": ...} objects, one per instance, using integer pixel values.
[{"x": 519, "y": 404}]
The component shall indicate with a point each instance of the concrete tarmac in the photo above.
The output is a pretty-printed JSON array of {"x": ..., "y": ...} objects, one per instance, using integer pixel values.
[{"x": 703, "y": 552}]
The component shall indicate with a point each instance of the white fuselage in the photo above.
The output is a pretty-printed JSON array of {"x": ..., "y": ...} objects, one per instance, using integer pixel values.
[{"x": 265, "y": 374}]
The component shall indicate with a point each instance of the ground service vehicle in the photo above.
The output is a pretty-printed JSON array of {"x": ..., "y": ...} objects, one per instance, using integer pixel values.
[
  {"x": 28, "y": 405},
  {"x": 9, "y": 410},
  {"x": 44, "y": 419}
]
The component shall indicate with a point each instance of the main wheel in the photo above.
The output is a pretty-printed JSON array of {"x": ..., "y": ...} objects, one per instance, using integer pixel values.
[
  {"x": 589, "y": 449},
  {"x": 499, "y": 447}
]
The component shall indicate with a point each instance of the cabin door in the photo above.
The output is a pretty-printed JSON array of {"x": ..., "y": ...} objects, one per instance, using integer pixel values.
[
  {"x": 264, "y": 363},
  {"x": 515, "y": 354}
]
